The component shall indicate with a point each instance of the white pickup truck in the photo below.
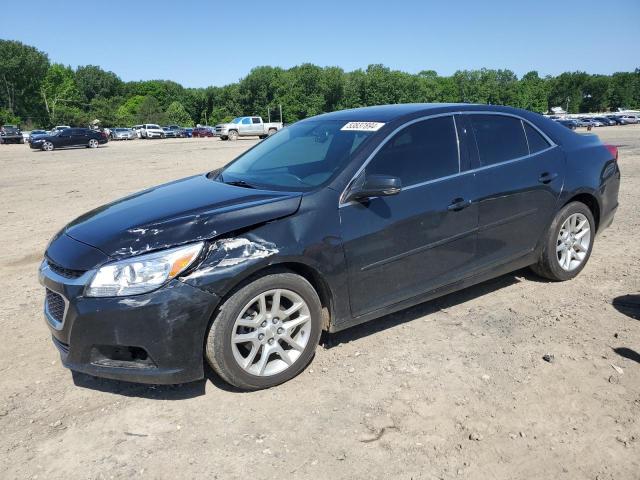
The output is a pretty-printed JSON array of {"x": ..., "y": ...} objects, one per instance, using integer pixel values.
[{"x": 246, "y": 127}]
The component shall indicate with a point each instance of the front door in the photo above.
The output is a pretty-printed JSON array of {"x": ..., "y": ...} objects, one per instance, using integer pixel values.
[{"x": 398, "y": 247}]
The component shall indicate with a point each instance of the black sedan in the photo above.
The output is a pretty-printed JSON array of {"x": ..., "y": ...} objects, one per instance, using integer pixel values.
[
  {"x": 334, "y": 221},
  {"x": 70, "y": 137}
]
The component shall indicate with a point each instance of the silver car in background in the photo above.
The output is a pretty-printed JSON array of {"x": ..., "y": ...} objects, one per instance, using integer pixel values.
[{"x": 122, "y": 134}]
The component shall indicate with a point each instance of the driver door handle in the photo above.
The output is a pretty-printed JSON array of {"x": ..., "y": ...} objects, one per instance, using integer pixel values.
[
  {"x": 458, "y": 204},
  {"x": 547, "y": 177}
]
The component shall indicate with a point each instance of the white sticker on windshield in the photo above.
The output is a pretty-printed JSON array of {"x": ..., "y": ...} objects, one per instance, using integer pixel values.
[{"x": 363, "y": 126}]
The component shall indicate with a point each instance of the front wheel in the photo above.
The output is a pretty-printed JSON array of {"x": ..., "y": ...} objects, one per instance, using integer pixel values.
[
  {"x": 47, "y": 146},
  {"x": 567, "y": 244},
  {"x": 233, "y": 135},
  {"x": 266, "y": 332}
]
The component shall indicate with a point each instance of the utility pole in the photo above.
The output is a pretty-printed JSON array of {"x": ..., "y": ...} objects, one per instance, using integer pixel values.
[
  {"x": 280, "y": 105},
  {"x": 269, "y": 114}
]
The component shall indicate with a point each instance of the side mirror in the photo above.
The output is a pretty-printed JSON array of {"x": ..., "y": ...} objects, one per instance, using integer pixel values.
[{"x": 368, "y": 186}]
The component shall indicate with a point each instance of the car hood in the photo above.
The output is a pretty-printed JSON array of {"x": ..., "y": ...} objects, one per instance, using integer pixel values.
[{"x": 188, "y": 210}]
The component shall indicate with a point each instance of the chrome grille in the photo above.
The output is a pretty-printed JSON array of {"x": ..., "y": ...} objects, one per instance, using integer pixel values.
[{"x": 55, "y": 305}]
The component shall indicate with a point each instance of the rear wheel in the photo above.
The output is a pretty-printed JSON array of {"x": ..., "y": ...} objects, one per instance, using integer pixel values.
[
  {"x": 233, "y": 135},
  {"x": 93, "y": 143},
  {"x": 271, "y": 131},
  {"x": 266, "y": 332},
  {"x": 568, "y": 243}
]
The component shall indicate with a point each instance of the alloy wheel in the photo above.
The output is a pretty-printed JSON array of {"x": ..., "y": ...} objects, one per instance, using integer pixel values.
[
  {"x": 271, "y": 332},
  {"x": 573, "y": 241},
  {"x": 93, "y": 143},
  {"x": 48, "y": 146}
]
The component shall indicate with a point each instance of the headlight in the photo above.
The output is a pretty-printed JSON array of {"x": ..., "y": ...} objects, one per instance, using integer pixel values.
[{"x": 143, "y": 273}]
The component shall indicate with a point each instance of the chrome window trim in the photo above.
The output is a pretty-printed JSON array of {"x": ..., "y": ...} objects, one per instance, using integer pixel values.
[{"x": 552, "y": 145}]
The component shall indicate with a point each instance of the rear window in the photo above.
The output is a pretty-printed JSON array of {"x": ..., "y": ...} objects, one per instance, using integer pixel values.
[
  {"x": 536, "y": 141},
  {"x": 499, "y": 138}
]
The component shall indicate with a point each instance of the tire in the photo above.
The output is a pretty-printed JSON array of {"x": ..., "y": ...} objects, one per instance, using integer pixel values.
[
  {"x": 233, "y": 135},
  {"x": 21, "y": 141},
  {"x": 48, "y": 146},
  {"x": 224, "y": 354},
  {"x": 552, "y": 263},
  {"x": 223, "y": 138},
  {"x": 271, "y": 131},
  {"x": 93, "y": 143},
  {"x": 262, "y": 137}
]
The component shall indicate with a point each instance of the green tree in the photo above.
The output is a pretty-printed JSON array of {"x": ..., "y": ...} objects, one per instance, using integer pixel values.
[
  {"x": 22, "y": 69},
  {"x": 532, "y": 93},
  {"x": 94, "y": 82},
  {"x": 176, "y": 114},
  {"x": 58, "y": 88},
  {"x": 150, "y": 111}
]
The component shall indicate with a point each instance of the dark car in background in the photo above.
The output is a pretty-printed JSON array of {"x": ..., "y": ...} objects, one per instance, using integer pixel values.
[
  {"x": 202, "y": 132},
  {"x": 70, "y": 137},
  {"x": 387, "y": 207},
  {"x": 188, "y": 132},
  {"x": 606, "y": 121},
  {"x": 570, "y": 124},
  {"x": 11, "y": 134}
]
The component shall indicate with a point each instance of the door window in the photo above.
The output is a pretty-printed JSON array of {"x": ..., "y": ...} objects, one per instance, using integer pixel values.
[
  {"x": 423, "y": 151},
  {"x": 255, "y": 120},
  {"x": 536, "y": 141},
  {"x": 246, "y": 121},
  {"x": 499, "y": 138}
]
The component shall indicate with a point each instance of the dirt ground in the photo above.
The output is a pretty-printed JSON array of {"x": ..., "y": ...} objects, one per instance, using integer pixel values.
[{"x": 454, "y": 388}]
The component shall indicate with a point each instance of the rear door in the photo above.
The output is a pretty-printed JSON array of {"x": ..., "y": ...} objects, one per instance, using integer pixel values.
[
  {"x": 79, "y": 136},
  {"x": 257, "y": 127},
  {"x": 520, "y": 174},
  {"x": 401, "y": 246}
]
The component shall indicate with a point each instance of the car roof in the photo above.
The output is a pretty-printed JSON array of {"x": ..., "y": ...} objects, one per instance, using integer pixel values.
[{"x": 389, "y": 113}]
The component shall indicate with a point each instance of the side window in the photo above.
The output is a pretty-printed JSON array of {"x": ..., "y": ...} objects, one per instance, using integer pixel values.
[
  {"x": 246, "y": 121},
  {"x": 255, "y": 120},
  {"x": 536, "y": 141},
  {"x": 499, "y": 138},
  {"x": 424, "y": 151}
]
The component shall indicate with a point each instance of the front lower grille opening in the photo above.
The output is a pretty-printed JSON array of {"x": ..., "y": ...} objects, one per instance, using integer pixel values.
[
  {"x": 121, "y": 356},
  {"x": 55, "y": 305}
]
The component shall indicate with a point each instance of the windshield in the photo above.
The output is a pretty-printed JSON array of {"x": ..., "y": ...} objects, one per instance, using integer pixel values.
[
  {"x": 122, "y": 129},
  {"x": 153, "y": 127},
  {"x": 300, "y": 157},
  {"x": 236, "y": 120}
]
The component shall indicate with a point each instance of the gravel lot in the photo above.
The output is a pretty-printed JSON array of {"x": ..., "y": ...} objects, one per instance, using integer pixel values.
[{"x": 454, "y": 388}]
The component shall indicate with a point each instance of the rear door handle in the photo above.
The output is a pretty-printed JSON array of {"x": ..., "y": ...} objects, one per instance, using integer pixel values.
[
  {"x": 547, "y": 177},
  {"x": 458, "y": 204}
]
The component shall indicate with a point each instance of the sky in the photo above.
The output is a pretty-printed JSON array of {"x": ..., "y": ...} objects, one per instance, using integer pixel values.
[{"x": 202, "y": 43}]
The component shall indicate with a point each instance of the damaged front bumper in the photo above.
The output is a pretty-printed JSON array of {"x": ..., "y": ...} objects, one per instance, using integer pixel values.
[{"x": 157, "y": 337}]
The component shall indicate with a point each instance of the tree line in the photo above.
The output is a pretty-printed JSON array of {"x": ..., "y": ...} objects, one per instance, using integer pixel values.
[{"x": 36, "y": 92}]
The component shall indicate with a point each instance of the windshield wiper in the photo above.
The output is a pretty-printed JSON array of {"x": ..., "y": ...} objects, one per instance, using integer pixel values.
[{"x": 240, "y": 183}]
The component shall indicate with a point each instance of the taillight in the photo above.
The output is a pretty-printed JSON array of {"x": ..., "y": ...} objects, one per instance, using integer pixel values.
[{"x": 613, "y": 150}]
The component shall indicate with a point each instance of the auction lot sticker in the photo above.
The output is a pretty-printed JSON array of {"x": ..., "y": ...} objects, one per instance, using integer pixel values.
[{"x": 363, "y": 126}]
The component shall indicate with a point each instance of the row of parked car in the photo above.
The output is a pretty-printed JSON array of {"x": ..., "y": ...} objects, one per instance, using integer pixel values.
[
  {"x": 67, "y": 136},
  {"x": 598, "y": 121},
  {"x": 238, "y": 127}
]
